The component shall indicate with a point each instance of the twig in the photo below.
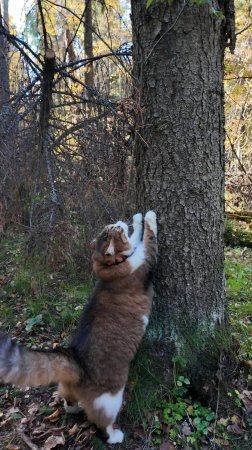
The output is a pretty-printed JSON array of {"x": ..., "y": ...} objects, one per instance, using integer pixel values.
[
  {"x": 238, "y": 159},
  {"x": 27, "y": 440},
  {"x": 93, "y": 91},
  {"x": 218, "y": 398},
  {"x": 237, "y": 78},
  {"x": 89, "y": 60},
  {"x": 244, "y": 29}
]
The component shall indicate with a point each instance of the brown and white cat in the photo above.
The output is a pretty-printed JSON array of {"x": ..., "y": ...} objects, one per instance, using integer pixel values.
[{"x": 93, "y": 371}]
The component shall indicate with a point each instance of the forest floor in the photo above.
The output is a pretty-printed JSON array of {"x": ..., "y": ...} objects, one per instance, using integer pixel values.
[{"x": 39, "y": 308}]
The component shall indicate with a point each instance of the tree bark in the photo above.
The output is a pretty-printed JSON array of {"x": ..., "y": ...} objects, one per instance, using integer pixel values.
[
  {"x": 4, "y": 64},
  {"x": 88, "y": 43},
  {"x": 178, "y": 56}
]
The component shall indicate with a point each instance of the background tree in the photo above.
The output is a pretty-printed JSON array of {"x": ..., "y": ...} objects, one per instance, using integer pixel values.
[
  {"x": 63, "y": 157},
  {"x": 88, "y": 42},
  {"x": 238, "y": 109},
  {"x": 179, "y": 158},
  {"x": 4, "y": 61}
]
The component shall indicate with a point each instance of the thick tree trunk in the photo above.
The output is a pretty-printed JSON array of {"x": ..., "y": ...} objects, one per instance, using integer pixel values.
[
  {"x": 179, "y": 155},
  {"x": 4, "y": 65}
]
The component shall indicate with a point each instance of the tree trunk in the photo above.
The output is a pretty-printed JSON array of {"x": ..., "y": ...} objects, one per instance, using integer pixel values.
[
  {"x": 4, "y": 65},
  {"x": 179, "y": 158},
  {"x": 88, "y": 43}
]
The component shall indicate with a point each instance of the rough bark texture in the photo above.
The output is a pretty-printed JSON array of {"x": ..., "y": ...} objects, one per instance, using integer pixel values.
[{"x": 179, "y": 154}]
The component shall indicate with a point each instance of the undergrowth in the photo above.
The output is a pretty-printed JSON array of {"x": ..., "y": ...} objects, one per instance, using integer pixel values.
[
  {"x": 35, "y": 297},
  {"x": 40, "y": 306}
]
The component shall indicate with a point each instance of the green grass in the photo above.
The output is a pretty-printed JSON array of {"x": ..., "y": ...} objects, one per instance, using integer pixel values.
[
  {"x": 37, "y": 296},
  {"x": 239, "y": 297},
  {"x": 42, "y": 304}
]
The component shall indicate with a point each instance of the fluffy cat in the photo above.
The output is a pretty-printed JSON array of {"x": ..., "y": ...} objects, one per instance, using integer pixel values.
[{"x": 93, "y": 370}]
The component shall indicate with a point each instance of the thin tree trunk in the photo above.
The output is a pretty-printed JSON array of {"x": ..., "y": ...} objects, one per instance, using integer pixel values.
[
  {"x": 4, "y": 65},
  {"x": 88, "y": 43},
  {"x": 179, "y": 159}
]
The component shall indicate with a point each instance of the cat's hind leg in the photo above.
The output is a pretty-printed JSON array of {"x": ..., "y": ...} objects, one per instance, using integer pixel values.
[
  {"x": 103, "y": 410},
  {"x": 72, "y": 407},
  {"x": 71, "y": 404}
]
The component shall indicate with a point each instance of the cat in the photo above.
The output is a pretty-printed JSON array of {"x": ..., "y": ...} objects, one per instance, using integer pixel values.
[{"x": 93, "y": 370}]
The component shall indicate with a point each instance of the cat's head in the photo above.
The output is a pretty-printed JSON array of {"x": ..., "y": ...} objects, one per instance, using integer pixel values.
[{"x": 112, "y": 246}]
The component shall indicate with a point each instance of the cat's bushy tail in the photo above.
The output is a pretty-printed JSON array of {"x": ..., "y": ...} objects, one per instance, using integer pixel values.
[{"x": 24, "y": 367}]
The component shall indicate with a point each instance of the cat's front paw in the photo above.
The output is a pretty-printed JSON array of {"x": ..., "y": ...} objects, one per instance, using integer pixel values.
[
  {"x": 136, "y": 236},
  {"x": 137, "y": 218},
  {"x": 123, "y": 226},
  {"x": 151, "y": 219}
]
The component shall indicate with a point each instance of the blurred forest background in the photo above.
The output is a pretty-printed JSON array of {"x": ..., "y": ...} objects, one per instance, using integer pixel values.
[{"x": 67, "y": 121}]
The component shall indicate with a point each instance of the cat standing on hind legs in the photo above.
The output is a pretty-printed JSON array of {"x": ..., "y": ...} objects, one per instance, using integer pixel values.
[{"x": 93, "y": 371}]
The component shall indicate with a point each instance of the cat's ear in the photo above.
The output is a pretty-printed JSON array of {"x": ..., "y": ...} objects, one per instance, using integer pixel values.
[{"x": 93, "y": 244}]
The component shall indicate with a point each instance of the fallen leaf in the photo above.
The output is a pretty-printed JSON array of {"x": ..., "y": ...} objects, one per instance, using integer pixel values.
[
  {"x": 223, "y": 421},
  {"x": 12, "y": 447},
  {"x": 6, "y": 422},
  {"x": 246, "y": 398},
  {"x": 53, "y": 441},
  {"x": 3, "y": 279},
  {"x": 235, "y": 429},
  {"x": 235, "y": 419},
  {"x": 167, "y": 446},
  {"x": 54, "y": 416},
  {"x": 33, "y": 409},
  {"x": 39, "y": 430},
  {"x": 12, "y": 410},
  {"x": 25, "y": 420},
  {"x": 74, "y": 430},
  {"x": 186, "y": 430}
]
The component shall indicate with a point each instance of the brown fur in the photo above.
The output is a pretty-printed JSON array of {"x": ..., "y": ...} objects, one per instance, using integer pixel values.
[{"x": 108, "y": 334}]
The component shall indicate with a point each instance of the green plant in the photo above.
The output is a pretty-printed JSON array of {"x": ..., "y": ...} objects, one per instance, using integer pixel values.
[
  {"x": 33, "y": 322},
  {"x": 186, "y": 422},
  {"x": 237, "y": 234}
]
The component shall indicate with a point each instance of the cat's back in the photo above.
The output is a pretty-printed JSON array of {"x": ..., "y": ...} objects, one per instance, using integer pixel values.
[{"x": 113, "y": 325}]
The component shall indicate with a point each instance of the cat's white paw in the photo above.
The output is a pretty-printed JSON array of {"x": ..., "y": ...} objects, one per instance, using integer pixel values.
[
  {"x": 137, "y": 218},
  {"x": 72, "y": 409},
  {"x": 151, "y": 219},
  {"x": 136, "y": 236},
  {"x": 115, "y": 436},
  {"x": 122, "y": 225}
]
